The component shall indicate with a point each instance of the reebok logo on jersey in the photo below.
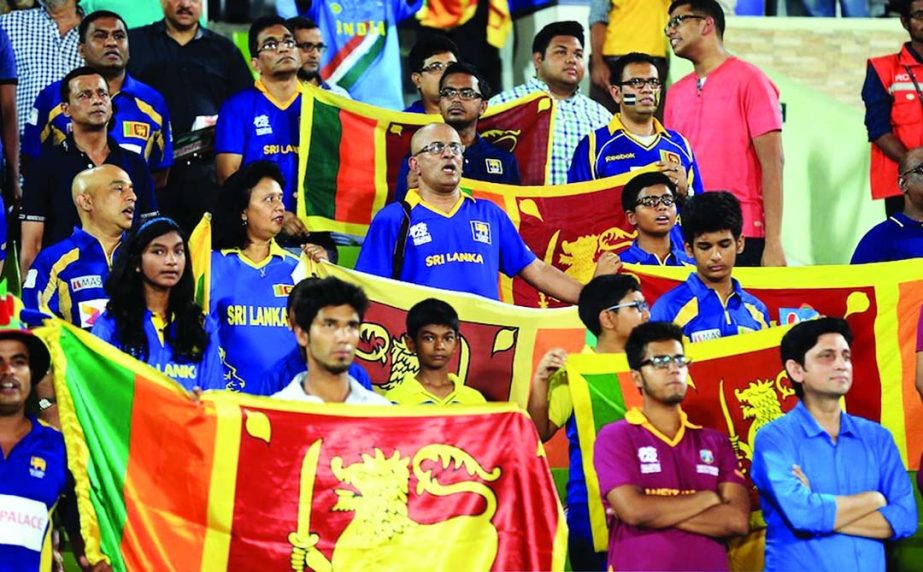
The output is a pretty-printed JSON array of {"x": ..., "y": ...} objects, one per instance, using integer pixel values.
[{"x": 619, "y": 157}]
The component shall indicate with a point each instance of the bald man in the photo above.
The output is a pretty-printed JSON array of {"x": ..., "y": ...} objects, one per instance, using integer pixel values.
[
  {"x": 443, "y": 238},
  {"x": 66, "y": 279}
]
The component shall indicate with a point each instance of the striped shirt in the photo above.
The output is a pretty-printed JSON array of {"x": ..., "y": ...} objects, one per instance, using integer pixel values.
[{"x": 574, "y": 119}]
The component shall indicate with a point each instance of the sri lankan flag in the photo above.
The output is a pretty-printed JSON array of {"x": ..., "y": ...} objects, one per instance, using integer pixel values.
[
  {"x": 236, "y": 482},
  {"x": 350, "y": 153},
  {"x": 200, "y": 256}
]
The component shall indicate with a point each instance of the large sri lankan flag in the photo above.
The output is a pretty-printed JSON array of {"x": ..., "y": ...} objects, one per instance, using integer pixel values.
[
  {"x": 243, "y": 483},
  {"x": 350, "y": 153},
  {"x": 499, "y": 347}
]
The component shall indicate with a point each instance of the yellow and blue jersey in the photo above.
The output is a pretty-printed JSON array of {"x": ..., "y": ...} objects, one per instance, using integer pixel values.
[
  {"x": 463, "y": 250},
  {"x": 248, "y": 300},
  {"x": 140, "y": 123},
  {"x": 702, "y": 315},
  {"x": 256, "y": 126},
  {"x": 206, "y": 374},
  {"x": 32, "y": 479},
  {"x": 66, "y": 280},
  {"x": 412, "y": 392},
  {"x": 634, "y": 254},
  {"x": 612, "y": 150}
]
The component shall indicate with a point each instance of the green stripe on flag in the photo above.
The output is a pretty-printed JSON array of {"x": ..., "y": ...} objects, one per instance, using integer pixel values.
[
  {"x": 606, "y": 399},
  {"x": 320, "y": 179},
  {"x": 358, "y": 69}
]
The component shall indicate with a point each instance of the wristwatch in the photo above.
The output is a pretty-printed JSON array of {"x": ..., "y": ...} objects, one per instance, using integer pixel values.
[{"x": 46, "y": 403}]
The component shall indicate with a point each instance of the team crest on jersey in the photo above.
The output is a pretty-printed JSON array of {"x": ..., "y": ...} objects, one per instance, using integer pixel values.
[
  {"x": 282, "y": 290},
  {"x": 37, "y": 467},
  {"x": 480, "y": 231},
  {"x": 261, "y": 123},
  {"x": 707, "y": 456},
  {"x": 649, "y": 461},
  {"x": 136, "y": 129},
  {"x": 420, "y": 234},
  {"x": 668, "y": 157},
  {"x": 83, "y": 282},
  {"x": 494, "y": 166}
]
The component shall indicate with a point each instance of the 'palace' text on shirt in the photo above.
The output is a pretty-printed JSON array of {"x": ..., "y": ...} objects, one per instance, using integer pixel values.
[
  {"x": 440, "y": 259},
  {"x": 241, "y": 315}
]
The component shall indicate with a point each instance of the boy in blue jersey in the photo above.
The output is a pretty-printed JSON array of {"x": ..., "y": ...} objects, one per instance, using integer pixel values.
[
  {"x": 711, "y": 304},
  {"x": 66, "y": 279},
  {"x": 140, "y": 119},
  {"x": 649, "y": 200},
  {"x": 610, "y": 307},
  {"x": 634, "y": 138},
  {"x": 284, "y": 371},
  {"x": 453, "y": 241},
  {"x": 429, "y": 57}
]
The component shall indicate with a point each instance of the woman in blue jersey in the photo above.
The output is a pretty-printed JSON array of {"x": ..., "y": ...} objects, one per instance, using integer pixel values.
[
  {"x": 152, "y": 314},
  {"x": 251, "y": 275}
]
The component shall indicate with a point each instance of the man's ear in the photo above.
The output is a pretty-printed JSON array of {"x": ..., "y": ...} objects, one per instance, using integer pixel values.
[
  {"x": 408, "y": 341},
  {"x": 255, "y": 64},
  {"x": 636, "y": 379},
  {"x": 416, "y": 79},
  {"x": 632, "y": 218},
  {"x": 537, "y": 59},
  {"x": 794, "y": 370},
  {"x": 689, "y": 251},
  {"x": 84, "y": 202},
  {"x": 301, "y": 336},
  {"x": 66, "y": 109},
  {"x": 616, "y": 93},
  {"x": 741, "y": 243}
]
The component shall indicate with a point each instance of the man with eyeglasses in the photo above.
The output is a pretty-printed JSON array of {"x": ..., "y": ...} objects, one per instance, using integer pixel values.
[
  {"x": 674, "y": 486},
  {"x": 730, "y": 112},
  {"x": 610, "y": 307},
  {"x": 310, "y": 42},
  {"x": 262, "y": 122},
  {"x": 894, "y": 107},
  {"x": 710, "y": 304},
  {"x": 442, "y": 238},
  {"x": 463, "y": 95},
  {"x": 429, "y": 57},
  {"x": 649, "y": 200},
  {"x": 634, "y": 138},
  {"x": 833, "y": 487},
  {"x": 557, "y": 55},
  {"x": 901, "y": 236}
]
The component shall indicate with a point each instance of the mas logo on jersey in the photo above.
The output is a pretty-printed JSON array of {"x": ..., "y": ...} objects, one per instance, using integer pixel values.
[
  {"x": 494, "y": 166},
  {"x": 480, "y": 231},
  {"x": 83, "y": 282},
  {"x": 281, "y": 290},
  {"x": 37, "y": 467},
  {"x": 136, "y": 129},
  {"x": 261, "y": 123}
]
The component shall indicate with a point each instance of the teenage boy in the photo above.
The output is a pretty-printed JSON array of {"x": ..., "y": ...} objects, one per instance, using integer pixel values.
[
  {"x": 649, "y": 200},
  {"x": 610, "y": 307},
  {"x": 428, "y": 59},
  {"x": 711, "y": 304},
  {"x": 432, "y": 334}
]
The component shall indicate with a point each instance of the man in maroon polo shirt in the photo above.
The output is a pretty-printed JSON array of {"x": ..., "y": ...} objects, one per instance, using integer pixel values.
[{"x": 674, "y": 487}]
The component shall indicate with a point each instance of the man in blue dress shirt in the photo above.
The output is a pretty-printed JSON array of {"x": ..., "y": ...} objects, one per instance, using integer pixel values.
[{"x": 832, "y": 486}]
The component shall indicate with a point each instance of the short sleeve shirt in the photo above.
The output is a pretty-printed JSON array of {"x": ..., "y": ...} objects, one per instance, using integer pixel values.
[
  {"x": 898, "y": 238},
  {"x": 357, "y": 395},
  {"x": 412, "y": 392}
]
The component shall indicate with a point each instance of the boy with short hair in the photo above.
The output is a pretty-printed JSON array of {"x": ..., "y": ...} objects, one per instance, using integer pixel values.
[
  {"x": 650, "y": 202},
  {"x": 432, "y": 334},
  {"x": 711, "y": 304}
]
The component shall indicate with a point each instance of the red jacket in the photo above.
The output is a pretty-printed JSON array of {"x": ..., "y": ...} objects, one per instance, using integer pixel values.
[{"x": 906, "y": 115}]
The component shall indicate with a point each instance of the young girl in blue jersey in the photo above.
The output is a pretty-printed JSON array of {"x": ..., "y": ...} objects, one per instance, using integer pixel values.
[
  {"x": 251, "y": 275},
  {"x": 152, "y": 314}
]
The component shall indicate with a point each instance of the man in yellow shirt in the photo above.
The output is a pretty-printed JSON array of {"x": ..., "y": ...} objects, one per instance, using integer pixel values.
[{"x": 432, "y": 334}]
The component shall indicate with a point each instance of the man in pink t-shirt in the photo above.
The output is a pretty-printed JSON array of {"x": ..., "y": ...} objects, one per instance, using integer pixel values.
[
  {"x": 675, "y": 488},
  {"x": 729, "y": 111}
]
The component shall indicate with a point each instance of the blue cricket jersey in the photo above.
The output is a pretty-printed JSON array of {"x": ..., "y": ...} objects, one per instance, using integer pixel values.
[
  {"x": 248, "y": 301},
  {"x": 612, "y": 150},
  {"x": 206, "y": 374},
  {"x": 140, "y": 123},
  {"x": 256, "y": 126},
  {"x": 699, "y": 311},
  {"x": 32, "y": 479},
  {"x": 634, "y": 254},
  {"x": 66, "y": 280},
  {"x": 463, "y": 250}
]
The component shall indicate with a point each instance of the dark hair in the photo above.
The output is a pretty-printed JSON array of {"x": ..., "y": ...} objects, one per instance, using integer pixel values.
[
  {"x": 185, "y": 330},
  {"x": 712, "y": 211},
  {"x": 544, "y": 36},
  {"x": 228, "y": 230},
  {"x": 258, "y": 26},
  {"x": 84, "y": 26},
  {"x": 902, "y": 7},
  {"x": 300, "y": 23},
  {"x": 600, "y": 293},
  {"x": 640, "y": 182},
  {"x": 319, "y": 293},
  {"x": 461, "y": 68},
  {"x": 803, "y": 336},
  {"x": 705, "y": 8},
  {"x": 628, "y": 59},
  {"x": 427, "y": 47},
  {"x": 75, "y": 73},
  {"x": 647, "y": 333},
  {"x": 431, "y": 312}
]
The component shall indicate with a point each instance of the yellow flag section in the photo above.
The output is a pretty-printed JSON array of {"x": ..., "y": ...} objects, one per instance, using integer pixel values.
[
  {"x": 881, "y": 302},
  {"x": 499, "y": 347},
  {"x": 200, "y": 256}
]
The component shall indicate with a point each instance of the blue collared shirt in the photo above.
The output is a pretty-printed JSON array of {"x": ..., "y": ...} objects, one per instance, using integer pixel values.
[
  {"x": 898, "y": 238},
  {"x": 800, "y": 534},
  {"x": 636, "y": 255}
]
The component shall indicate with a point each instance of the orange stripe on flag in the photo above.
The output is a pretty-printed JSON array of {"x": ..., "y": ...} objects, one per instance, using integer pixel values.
[{"x": 357, "y": 168}]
